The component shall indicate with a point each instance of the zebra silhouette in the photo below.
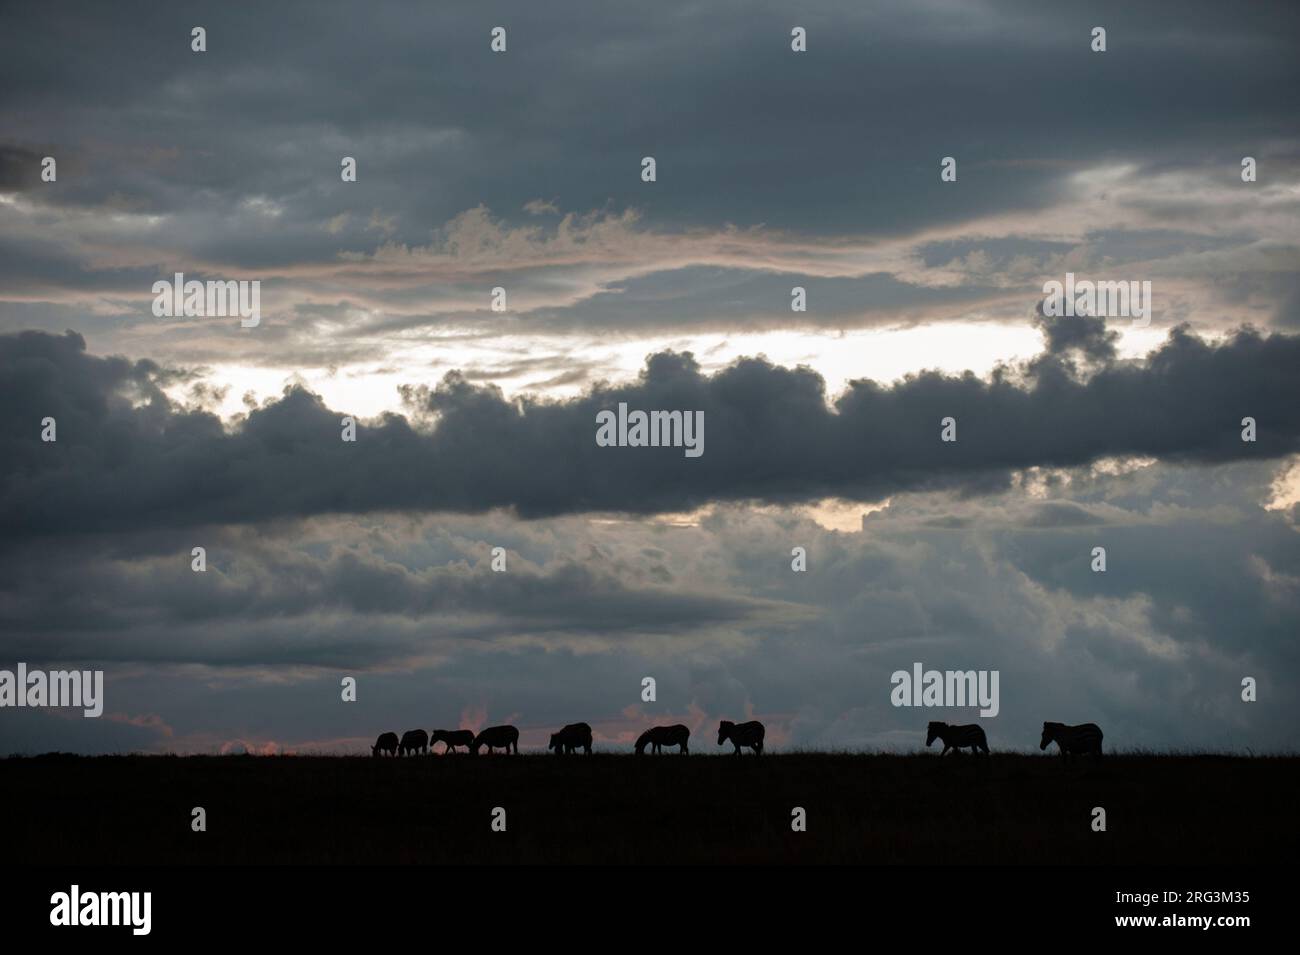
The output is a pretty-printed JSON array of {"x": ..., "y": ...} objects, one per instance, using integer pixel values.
[
  {"x": 657, "y": 737},
  {"x": 496, "y": 737},
  {"x": 958, "y": 737},
  {"x": 743, "y": 734},
  {"x": 452, "y": 738},
  {"x": 413, "y": 741},
  {"x": 1084, "y": 738}
]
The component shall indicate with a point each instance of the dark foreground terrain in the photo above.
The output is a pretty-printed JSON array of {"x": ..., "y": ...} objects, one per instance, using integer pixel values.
[{"x": 627, "y": 809}]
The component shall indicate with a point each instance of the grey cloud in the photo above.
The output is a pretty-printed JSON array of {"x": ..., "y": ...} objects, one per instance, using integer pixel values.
[
  {"x": 126, "y": 457},
  {"x": 1157, "y": 662},
  {"x": 1085, "y": 334},
  {"x": 289, "y": 111}
]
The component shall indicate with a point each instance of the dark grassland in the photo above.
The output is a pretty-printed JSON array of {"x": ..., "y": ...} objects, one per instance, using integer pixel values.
[{"x": 1006, "y": 808}]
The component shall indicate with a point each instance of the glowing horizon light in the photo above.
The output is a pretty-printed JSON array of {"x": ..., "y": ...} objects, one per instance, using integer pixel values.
[{"x": 884, "y": 355}]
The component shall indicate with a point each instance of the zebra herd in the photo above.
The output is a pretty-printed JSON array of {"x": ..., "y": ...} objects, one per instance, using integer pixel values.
[{"x": 1084, "y": 738}]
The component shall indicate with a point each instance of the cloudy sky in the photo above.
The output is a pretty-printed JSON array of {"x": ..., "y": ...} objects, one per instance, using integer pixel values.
[{"x": 774, "y": 169}]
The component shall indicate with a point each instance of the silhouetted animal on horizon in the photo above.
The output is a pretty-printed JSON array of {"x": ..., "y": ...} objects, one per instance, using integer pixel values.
[
  {"x": 956, "y": 738},
  {"x": 657, "y": 736},
  {"x": 387, "y": 743},
  {"x": 1084, "y": 738},
  {"x": 742, "y": 734},
  {"x": 413, "y": 741},
  {"x": 505, "y": 737},
  {"x": 452, "y": 738},
  {"x": 573, "y": 736}
]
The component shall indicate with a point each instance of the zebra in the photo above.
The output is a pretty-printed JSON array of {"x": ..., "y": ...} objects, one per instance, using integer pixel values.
[
  {"x": 958, "y": 737},
  {"x": 745, "y": 734},
  {"x": 387, "y": 743},
  {"x": 497, "y": 737},
  {"x": 413, "y": 741},
  {"x": 659, "y": 736},
  {"x": 1084, "y": 738},
  {"x": 573, "y": 737},
  {"x": 452, "y": 738}
]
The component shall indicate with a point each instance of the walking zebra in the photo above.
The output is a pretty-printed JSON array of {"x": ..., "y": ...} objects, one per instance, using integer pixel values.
[
  {"x": 958, "y": 737},
  {"x": 744, "y": 734},
  {"x": 1084, "y": 738}
]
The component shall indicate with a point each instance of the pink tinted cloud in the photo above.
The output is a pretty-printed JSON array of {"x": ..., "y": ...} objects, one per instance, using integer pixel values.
[{"x": 144, "y": 720}]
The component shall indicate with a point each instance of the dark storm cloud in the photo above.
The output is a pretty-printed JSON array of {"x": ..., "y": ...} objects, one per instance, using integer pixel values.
[
  {"x": 228, "y": 161},
  {"x": 127, "y": 458},
  {"x": 1200, "y": 591},
  {"x": 413, "y": 91},
  {"x": 264, "y": 602}
]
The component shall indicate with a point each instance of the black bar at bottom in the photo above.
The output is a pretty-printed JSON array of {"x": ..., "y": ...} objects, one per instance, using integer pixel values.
[{"x": 298, "y": 904}]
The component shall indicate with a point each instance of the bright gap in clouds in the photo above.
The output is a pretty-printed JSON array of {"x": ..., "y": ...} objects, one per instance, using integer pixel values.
[{"x": 884, "y": 355}]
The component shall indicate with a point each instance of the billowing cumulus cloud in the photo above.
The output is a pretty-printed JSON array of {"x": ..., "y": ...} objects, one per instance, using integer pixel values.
[{"x": 128, "y": 456}]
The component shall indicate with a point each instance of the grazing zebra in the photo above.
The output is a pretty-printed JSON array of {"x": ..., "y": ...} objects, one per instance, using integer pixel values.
[
  {"x": 657, "y": 736},
  {"x": 387, "y": 743},
  {"x": 574, "y": 736},
  {"x": 413, "y": 741},
  {"x": 452, "y": 738},
  {"x": 1084, "y": 738},
  {"x": 957, "y": 738},
  {"x": 504, "y": 737},
  {"x": 744, "y": 734}
]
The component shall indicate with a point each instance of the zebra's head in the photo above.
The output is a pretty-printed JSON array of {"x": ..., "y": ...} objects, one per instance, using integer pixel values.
[
  {"x": 1049, "y": 734},
  {"x": 935, "y": 729},
  {"x": 642, "y": 741},
  {"x": 724, "y": 730},
  {"x": 555, "y": 741}
]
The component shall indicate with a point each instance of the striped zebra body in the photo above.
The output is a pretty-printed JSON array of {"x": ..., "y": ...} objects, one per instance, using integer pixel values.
[
  {"x": 958, "y": 737},
  {"x": 1084, "y": 738}
]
